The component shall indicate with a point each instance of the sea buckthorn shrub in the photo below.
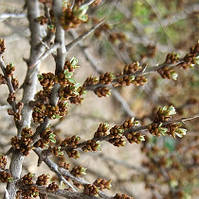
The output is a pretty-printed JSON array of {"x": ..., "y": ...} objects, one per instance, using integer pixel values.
[{"x": 103, "y": 104}]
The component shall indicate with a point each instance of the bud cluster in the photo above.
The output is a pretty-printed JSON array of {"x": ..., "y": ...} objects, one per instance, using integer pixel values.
[
  {"x": 13, "y": 84},
  {"x": 19, "y": 106},
  {"x": 3, "y": 162},
  {"x": 71, "y": 143},
  {"x": 158, "y": 127},
  {"x": 116, "y": 136},
  {"x": 188, "y": 61},
  {"x": 5, "y": 176},
  {"x": 78, "y": 171},
  {"x": 71, "y": 18},
  {"x": 99, "y": 184},
  {"x": 2, "y": 46},
  {"x": 69, "y": 90},
  {"x": 91, "y": 190},
  {"x": 103, "y": 28},
  {"x": 91, "y": 145},
  {"x": 24, "y": 143},
  {"x": 28, "y": 192},
  {"x": 102, "y": 130},
  {"x": 191, "y": 58},
  {"x": 47, "y": 136},
  {"x": 42, "y": 20},
  {"x": 42, "y": 180},
  {"x": 118, "y": 132},
  {"x": 102, "y": 183},
  {"x": 64, "y": 165},
  {"x": 117, "y": 36},
  {"x": 53, "y": 187},
  {"x": 125, "y": 78}
]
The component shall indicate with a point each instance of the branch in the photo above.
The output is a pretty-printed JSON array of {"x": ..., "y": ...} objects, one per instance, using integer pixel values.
[
  {"x": 59, "y": 192},
  {"x": 83, "y": 36},
  {"x": 152, "y": 69},
  {"x": 131, "y": 130},
  {"x": 63, "y": 172},
  {"x": 29, "y": 88},
  {"x": 87, "y": 3},
  {"x": 47, "y": 53},
  {"x": 176, "y": 17},
  {"x": 9, "y": 83},
  {"x": 144, "y": 40},
  {"x": 53, "y": 167},
  {"x": 4, "y": 107},
  {"x": 59, "y": 59},
  {"x": 5, "y": 16},
  {"x": 93, "y": 64}
]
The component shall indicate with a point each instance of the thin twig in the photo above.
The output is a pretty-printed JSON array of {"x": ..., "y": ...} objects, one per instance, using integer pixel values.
[
  {"x": 86, "y": 3},
  {"x": 133, "y": 129},
  {"x": 4, "y": 107},
  {"x": 83, "y": 36},
  {"x": 186, "y": 12},
  {"x": 5, "y": 16},
  {"x": 63, "y": 172},
  {"x": 152, "y": 69}
]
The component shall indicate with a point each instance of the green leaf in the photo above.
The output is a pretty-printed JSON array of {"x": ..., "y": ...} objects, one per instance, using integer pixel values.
[
  {"x": 197, "y": 60},
  {"x": 98, "y": 146},
  {"x": 83, "y": 170},
  {"x": 52, "y": 137},
  {"x": 53, "y": 140},
  {"x": 10, "y": 179},
  {"x": 39, "y": 77},
  {"x": 68, "y": 74},
  {"x": 172, "y": 110},
  {"x": 162, "y": 130},
  {"x": 56, "y": 117},
  {"x": 182, "y": 131},
  {"x": 83, "y": 18},
  {"x": 75, "y": 92},
  {"x": 136, "y": 123},
  {"x": 81, "y": 12},
  {"x": 51, "y": 27},
  {"x": 174, "y": 75},
  {"x": 120, "y": 131},
  {"x": 71, "y": 80},
  {"x": 141, "y": 138},
  {"x": 77, "y": 85},
  {"x": 132, "y": 77},
  {"x": 74, "y": 61},
  {"x": 174, "y": 183}
]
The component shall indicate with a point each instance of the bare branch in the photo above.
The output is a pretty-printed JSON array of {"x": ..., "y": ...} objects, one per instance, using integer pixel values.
[
  {"x": 87, "y": 3},
  {"x": 83, "y": 36},
  {"x": 47, "y": 53},
  {"x": 4, "y": 107},
  {"x": 29, "y": 88},
  {"x": 63, "y": 172},
  {"x": 5, "y": 16}
]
